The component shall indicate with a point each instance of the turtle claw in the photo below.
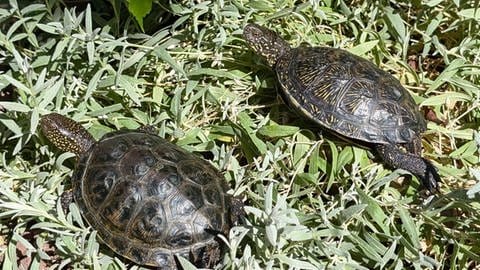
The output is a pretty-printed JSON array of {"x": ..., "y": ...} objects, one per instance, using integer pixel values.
[{"x": 431, "y": 178}]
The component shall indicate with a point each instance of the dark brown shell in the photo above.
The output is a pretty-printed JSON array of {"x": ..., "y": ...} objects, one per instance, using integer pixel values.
[
  {"x": 149, "y": 199},
  {"x": 349, "y": 95}
]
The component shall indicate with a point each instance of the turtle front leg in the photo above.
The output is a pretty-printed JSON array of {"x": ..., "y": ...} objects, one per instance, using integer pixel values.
[
  {"x": 66, "y": 198},
  {"x": 418, "y": 166}
]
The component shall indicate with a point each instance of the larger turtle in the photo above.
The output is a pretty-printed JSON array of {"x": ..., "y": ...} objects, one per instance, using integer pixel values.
[
  {"x": 148, "y": 199},
  {"x": 351, "y": 97}
]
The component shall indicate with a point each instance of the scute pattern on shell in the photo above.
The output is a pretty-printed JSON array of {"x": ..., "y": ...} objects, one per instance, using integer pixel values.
[
  {"x": 349, "y": 95},
  {"x": 150, "y": 200}
]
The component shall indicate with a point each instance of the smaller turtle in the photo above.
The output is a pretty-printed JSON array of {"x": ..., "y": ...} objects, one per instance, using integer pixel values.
[
  {"x": 349, "y": 96},
  {"x": 148, "y": 199}
]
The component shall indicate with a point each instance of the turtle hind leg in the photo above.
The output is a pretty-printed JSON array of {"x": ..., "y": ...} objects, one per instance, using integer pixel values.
[
  {"x": 418, "y": 166},
  {"x": 150, "y": 129}
]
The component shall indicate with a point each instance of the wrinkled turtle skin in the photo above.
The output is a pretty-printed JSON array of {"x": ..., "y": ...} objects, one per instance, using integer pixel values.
[
  {"x": 351, "y": 97},
  {"x": 148, "y": 199}
]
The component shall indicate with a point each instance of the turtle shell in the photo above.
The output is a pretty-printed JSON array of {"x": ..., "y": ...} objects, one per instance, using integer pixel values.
[
  {"x": 150, "y": 200},
  {"x": 349, "y": 95}
]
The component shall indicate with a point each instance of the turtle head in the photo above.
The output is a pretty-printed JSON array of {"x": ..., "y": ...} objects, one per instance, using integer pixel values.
[
  {"x": 66, "y": 134},
  {"x": 265, "y": 42}
]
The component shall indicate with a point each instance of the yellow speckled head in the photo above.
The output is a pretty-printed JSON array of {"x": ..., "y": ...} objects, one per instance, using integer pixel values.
[
  {"x": 265, "y": 42},
  {"x": 66, "y": 134}
]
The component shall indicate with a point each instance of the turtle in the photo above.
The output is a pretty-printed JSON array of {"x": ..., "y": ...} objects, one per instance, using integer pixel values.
[
  {"x": 148, "y": 199},
  {"x": 350, "y": 97}
]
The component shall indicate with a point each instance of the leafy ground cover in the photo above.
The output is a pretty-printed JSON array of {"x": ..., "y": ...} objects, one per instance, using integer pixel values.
[{"x": 313, "y": 201}]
